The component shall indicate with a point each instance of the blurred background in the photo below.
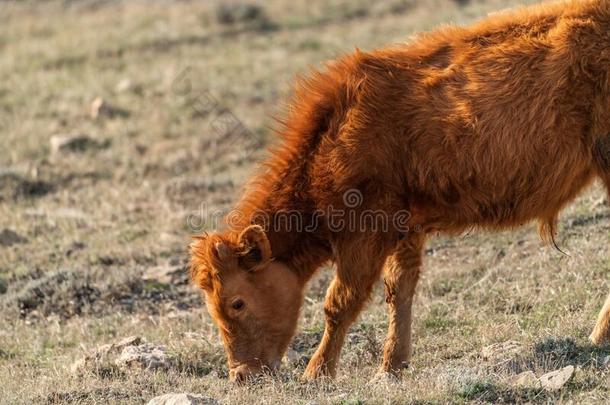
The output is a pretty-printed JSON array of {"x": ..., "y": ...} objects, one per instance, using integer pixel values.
[{"x": 127, "y": 126}]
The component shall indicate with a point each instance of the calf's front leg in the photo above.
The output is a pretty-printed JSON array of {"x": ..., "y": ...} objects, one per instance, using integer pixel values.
[
  {"x": 601, "y": 332},
  {"x": 358, "y": 267}
]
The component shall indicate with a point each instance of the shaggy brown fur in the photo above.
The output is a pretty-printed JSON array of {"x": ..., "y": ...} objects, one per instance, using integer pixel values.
[{"x": 489, "y": 126}]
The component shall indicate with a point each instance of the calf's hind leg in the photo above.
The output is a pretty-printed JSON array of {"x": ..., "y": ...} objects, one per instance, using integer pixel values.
[
  {"x": 601, "y": 332},
  {"x": 401, "y": 274}
]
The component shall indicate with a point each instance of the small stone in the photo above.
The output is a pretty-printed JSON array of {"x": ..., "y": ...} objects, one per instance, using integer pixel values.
[
  {"x": 145, "y": 356},
  {"x": 527, "y": 379},
  {"x": 71, "y": 143},
  {"x": 124, "y": 85},
  {"x": 555, "y": 380},
  {"x": 606, "y": 362},
  {"x": 501, "y": 351},
  {"x": 182, "y": 399},
  {"x": 9, "y": 237},
  {"x": 100, "y": 108}
]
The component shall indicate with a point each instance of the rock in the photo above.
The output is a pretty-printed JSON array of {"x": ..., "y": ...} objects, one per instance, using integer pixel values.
[
  {"x": 606, "y": 362},
  {"x": 182, "y": 399},
  {"x": 555, "y": 380},
  {"x": 527, "y": 379},
  {"x": 9, "y": 238},
  {"x": 126, "y": 85},
  {"x": 100, "y": 108},
  {"x": 104, "y": 356},
  {"x": 145, "y": 356},
  {"x": 71, "y": 143},
  {"x": 123, "y": 85},
  {"x": 501, "y": 351}
]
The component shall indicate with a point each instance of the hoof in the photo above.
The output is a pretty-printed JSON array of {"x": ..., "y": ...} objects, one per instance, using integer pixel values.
[
  {"x": 598, "y": 339},
  {"x": 316, "y": 371},
  {"x": 314, "y": 376}
]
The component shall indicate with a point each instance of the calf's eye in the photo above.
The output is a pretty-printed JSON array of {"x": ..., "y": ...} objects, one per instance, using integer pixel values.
[{"x": 238, "y": 304}]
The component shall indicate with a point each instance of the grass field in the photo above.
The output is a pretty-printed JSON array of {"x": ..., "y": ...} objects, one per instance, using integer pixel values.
[{"x": 86, "y": 228}]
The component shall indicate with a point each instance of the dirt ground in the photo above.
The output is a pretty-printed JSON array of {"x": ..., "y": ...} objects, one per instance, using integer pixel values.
[{"x": 118, "y": 122}]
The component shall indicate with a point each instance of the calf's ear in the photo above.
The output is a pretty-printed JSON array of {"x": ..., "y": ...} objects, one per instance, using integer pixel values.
[{"x": 255, "y": 250}]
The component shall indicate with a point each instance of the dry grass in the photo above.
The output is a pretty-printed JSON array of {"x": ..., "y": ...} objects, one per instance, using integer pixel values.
[{"x": 95, "y": 220}]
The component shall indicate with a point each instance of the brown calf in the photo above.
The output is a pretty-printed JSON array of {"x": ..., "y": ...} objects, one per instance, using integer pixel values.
[{"x": 489, "y": 126}]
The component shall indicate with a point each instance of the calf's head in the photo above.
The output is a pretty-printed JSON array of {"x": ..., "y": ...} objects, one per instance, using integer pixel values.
[{"x": 253, "y": 299}]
